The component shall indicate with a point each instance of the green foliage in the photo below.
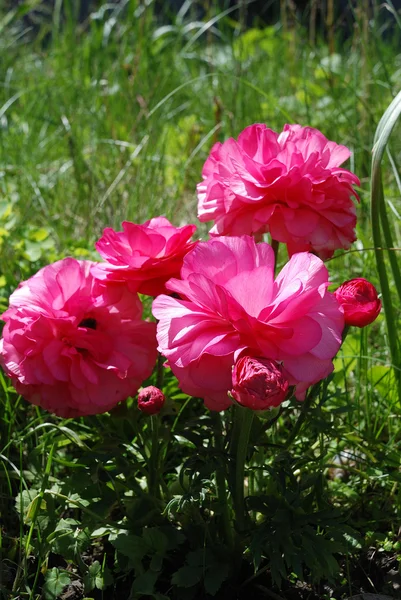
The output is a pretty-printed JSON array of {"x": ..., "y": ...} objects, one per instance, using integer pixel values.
[
  {"x": 97, "y": 577},
  {"x": 56, "y": 581},
  {"x": 202, "y": 566},
  {"x": 111, "y": 120},
  {"x": 69, "y": 539}
]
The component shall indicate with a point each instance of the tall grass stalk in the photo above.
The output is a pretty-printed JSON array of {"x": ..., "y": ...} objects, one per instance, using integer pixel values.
[{"x": 379, "y": 220}]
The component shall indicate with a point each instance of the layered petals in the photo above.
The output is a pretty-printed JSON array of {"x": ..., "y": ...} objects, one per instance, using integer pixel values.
[
  {"x": 145, "y": 256},
  {"x": 289, "y": 184},
  {"x": 234, "y": 307},
  {"x": 73, "y": 345}
]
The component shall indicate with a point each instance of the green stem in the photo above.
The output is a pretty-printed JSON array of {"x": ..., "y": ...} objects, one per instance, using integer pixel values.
[
  {"x": 221, "y": 482},
  {"x": 303, "y": 415},
  {"x": 153, "y": 470},
  {"x": 154, "y": 459},
  {"x": 160, "y": 371},
  {"x": 242, "y": 429},
  {"x": 275, "y": 245}
]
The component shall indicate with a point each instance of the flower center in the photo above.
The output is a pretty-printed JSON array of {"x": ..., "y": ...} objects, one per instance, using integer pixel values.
[{"x": 90, "y": 323}]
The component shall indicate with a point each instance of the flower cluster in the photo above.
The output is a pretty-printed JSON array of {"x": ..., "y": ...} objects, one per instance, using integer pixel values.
[
  {"x": 75, "y": 343},
  {"x": 74, "y": 340},
  {"x": 288, "y": 184}
]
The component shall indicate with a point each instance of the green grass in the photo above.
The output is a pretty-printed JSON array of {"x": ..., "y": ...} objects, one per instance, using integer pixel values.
[{"x": 112, "y": 120}]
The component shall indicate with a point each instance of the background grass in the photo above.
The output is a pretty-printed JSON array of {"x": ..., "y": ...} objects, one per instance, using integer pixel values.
[{"x": 111, "y": 119}]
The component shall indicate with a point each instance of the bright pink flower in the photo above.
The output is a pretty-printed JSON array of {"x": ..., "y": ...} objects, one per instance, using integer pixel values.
[
  {"x": 360, "y": 302},
  {"x": 75, "y": 346},
  {"x": 289, "y": 185},
  {"x": 151, "y": 400},
  {"x": 145, "y": 256},
  {"x": 258, "y": 383},
  {"x": 230, "y": 304}
]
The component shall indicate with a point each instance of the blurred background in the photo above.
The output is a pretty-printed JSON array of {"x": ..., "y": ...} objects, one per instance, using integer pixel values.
[{"x": 109, "y": 109}]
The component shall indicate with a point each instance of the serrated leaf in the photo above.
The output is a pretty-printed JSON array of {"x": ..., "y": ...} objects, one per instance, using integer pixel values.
[
  {"x": 129, "y": 545},
  {"x": 187, "y": 576},
  {"x": 55, "y": 582},
  {"x": 215, "y": 577},
  {"x": 145, "y": 583},
  {"x": 69, "y": 539},
  {"x": 155, "y": 540}
]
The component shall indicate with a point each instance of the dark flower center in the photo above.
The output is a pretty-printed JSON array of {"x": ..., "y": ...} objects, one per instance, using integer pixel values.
[{"x": 90, "y": 323}]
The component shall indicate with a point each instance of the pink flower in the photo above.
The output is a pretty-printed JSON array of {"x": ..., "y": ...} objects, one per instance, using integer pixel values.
[
  {"x": 151, "y": 400},
  {"x": 75, "y": 346},
  {"x": 145, "y": 256},
  {"x": 258, "y": 383},
  {"x": 230, "y": 305},
  {"x": 289, "y": 185},
  {"x": 360, "y": 302}
]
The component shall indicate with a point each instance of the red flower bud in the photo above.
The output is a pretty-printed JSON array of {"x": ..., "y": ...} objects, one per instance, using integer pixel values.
[
  {"x": 151, "y": 400},
  {"x": 359, "y": 300},
  {"x": 258, "y": 383}
]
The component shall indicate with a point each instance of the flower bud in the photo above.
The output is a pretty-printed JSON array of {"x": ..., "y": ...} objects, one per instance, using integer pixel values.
[
  {"x": 359, "y": 301},
  {"x": 150, "y": 400},
  {"x": 258, "y": 383}
]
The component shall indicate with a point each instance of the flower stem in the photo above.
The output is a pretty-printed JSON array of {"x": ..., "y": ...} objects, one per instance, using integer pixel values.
[
  {"x": 275, "y": 245},
  {"x": 160, "y": 371},
  {"x": 303, "y": 415},
  {"x": 153, "y": 470},
  {"x": 221, "y": 482},
  {"x": 242, "y": 429}
]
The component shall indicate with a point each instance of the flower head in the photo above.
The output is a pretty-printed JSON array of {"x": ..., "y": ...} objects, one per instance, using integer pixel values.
[
  {"x": 288, "y": 184},
  {"x": 230, "y": 304},
  {"x": 75, "y": 346},
  {"x": 258, "y": 383},
  {"x": 151, "y": 400},
  {"x": 145, "y": 256},
  {"x": 360, "y": 302}
]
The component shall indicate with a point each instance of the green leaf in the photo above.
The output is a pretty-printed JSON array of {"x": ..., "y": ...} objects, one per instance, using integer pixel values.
[
  {"x": 157, "y": 562},
  {"x": 215, "y": 576},
  {"x": 24, "y": 500},
  {"x": 55, "y": 582},
  {"x": 187, "y": 576},
  {"x": 155, "y": 540},
  {"x": 69, "y": 539},
  {"x": 97, "y": 577},
  {"x": 145, "y": 583},
  {"x": 130, "y": 545},
  {"x": 33, "y": 251},
  {"x": 382, "y": 135},
  {"x": 91, "y": 576},
  {"x": 38, "y": 235}
]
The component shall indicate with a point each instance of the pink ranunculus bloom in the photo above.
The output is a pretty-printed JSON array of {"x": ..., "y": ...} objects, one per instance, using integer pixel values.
[
  {"x": 230, "y": 304},
  {"x": 75, "y": 346},
  {"x": 151, "y": 400},
  {"x": 144, "y": 256},
  {"x": 288, "y": 184},
  {"x": 360, "y": 302},
  {"x": 258, "y": 383}
]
